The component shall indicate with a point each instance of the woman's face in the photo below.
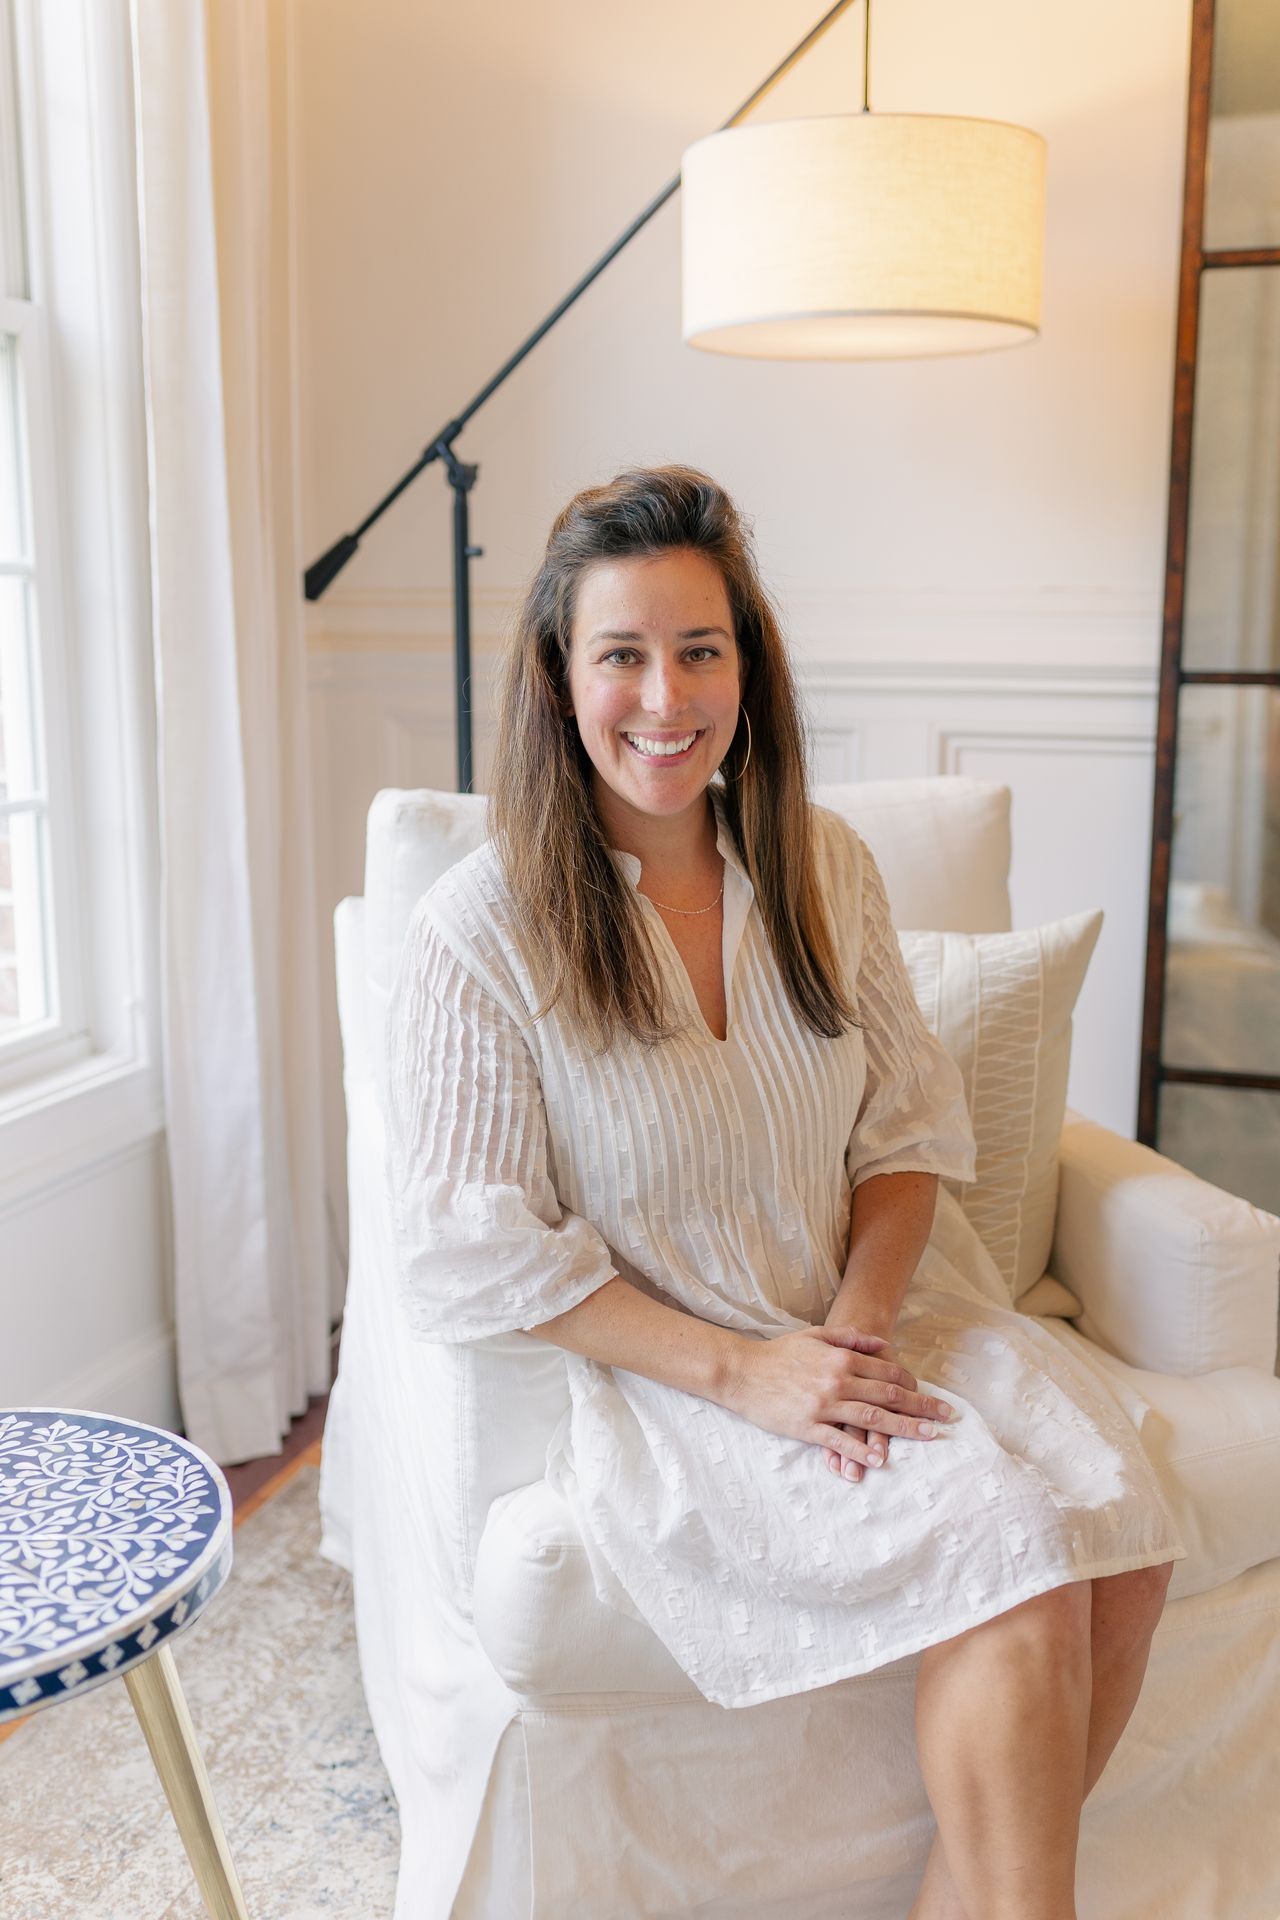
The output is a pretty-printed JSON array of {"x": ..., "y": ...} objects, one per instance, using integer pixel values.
[{"x": 653, "y": 656}]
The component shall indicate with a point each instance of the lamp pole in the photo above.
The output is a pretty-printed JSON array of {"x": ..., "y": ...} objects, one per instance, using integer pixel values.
[{"x": 461, "y": 477}]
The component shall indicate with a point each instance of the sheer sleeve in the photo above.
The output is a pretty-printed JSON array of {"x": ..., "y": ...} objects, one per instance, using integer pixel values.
[
  {"x": 483, "y": 1245},
  {"x": 913, "y": 1116}
]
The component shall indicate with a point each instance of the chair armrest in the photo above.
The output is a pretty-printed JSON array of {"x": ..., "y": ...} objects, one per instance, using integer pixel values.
[{"x": 1174, "y": 1274}]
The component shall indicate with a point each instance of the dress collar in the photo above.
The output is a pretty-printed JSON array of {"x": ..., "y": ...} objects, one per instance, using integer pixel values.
[{"x": 630, "y": 862}]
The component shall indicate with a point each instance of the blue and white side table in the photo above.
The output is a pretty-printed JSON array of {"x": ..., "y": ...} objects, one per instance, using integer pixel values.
[{"x": 114, "y": 1537}]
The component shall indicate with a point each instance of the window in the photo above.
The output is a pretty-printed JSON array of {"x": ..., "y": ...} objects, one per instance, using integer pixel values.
[
  {"x": 79, "y": 872},
  {"x": 28, "y": 996},
  {"x": 39, "y": 1004}
]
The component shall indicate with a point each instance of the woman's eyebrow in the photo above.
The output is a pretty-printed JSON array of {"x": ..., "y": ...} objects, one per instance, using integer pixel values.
[{"x": 690, "y": 633}]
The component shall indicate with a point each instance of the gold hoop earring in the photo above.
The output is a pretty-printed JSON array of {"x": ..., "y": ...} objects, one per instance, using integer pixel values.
[{"x": 742, "y": 769}]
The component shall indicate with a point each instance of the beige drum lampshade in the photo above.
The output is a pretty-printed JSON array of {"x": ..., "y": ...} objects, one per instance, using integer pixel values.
[{"x": 857, "y": 236}]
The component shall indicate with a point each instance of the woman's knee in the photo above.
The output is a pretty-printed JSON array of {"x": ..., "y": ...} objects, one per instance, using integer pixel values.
[
  {"x": 1139, "y": 1582},
  {"x": 1127, "y": 1606},
  {"x": 1057, "y": 1624},
  {"x": 1051, "y": 1627}
]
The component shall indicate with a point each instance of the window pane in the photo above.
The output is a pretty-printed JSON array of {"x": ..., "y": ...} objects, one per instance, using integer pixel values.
[
  {"x": 1242, "y": 182},
  {"x": 1222, "y": 978},
  {"x": 1231, "y": 619},
  {"x": 19, "y": 756},
  {"x": 13, "y": 543},
  {"x": 25, "y": 930},
  {"x": 1229, "y": 1135},
  {"x": 25, "y": 998},
  {"x": 13, "y": 261}
]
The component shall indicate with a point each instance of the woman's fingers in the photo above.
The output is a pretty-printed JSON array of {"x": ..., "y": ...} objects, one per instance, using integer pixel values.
[
  {"x": 880, "y": 1421},
  {"x": 884, "y": 1396},
  {"x": 851, "y": 1469},
  {"x": 847, "y": 1446},
  {"x": 876, "y": 1447},
  {"x": 871, "y": 1367}
]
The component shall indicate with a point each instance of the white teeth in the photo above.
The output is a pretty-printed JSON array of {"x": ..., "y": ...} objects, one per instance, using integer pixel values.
[{"x": 660, "y": 747}]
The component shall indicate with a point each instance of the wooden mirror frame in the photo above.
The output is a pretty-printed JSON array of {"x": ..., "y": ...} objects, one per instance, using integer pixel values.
[{"x": 1195, "y": 263}]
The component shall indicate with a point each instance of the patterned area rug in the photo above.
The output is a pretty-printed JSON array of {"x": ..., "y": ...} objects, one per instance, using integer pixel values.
[{"x": 272, "y": 1683}]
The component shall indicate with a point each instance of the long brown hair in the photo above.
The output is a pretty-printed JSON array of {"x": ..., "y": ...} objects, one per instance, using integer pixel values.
[{"x": 576, "y": 914}]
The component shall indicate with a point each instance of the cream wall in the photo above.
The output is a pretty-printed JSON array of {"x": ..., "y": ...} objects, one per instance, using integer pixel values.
[
  {"x": 970, "y": 550},
  {"x": 459, "y": 167}
]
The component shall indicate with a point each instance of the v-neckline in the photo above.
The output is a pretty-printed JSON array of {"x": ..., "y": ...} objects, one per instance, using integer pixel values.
[
  {"x": 739, "y": 895},
  {"x": 690, "y": 991}
]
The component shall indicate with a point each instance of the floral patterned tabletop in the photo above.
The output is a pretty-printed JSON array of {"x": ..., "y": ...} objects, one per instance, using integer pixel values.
[{"x": 114, "y": 1535}]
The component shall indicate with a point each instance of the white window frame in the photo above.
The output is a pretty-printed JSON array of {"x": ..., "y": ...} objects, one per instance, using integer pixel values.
[
  {"x": 88, "y": 1086},
  {"x": 62, "y": 1037}
]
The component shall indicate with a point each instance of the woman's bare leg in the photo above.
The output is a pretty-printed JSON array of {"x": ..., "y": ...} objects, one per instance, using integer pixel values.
[
  {"x": 1124, "y": 1611},
  {"x": 1002, "y": 1725}
]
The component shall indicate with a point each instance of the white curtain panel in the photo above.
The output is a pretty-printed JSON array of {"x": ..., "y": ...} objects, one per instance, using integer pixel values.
[{"x": 238, "y": 941}]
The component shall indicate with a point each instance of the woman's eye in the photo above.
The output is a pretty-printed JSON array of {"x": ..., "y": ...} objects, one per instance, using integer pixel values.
[{"x": 614, "y": 653}]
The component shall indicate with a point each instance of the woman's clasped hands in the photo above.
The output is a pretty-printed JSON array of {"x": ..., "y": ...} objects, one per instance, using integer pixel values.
[{"x": 831, "y": 1386}]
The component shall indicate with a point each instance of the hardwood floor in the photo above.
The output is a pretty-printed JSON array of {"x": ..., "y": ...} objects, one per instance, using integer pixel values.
[{"x": 254, "y": 1478}]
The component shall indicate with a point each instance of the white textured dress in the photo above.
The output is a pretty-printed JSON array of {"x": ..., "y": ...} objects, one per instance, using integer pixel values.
[{"x": 717, "y": 1176}]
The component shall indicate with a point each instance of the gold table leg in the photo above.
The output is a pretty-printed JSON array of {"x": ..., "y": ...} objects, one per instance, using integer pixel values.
[{"x": 161, "y": 1707}]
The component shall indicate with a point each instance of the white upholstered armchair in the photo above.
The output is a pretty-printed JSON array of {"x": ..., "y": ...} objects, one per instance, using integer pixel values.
[{"x": 550, "y": 1759}]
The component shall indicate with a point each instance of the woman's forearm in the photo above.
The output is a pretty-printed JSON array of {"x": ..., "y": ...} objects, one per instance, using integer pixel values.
[
  {"x": 889, "y": 1229},
  {"x": 621, "y": 1326}
]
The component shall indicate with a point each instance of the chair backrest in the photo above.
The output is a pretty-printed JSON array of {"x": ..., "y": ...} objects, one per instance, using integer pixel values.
[
  {"x": 486, "y": 1411},
  {"x": 942, "y": 843}
]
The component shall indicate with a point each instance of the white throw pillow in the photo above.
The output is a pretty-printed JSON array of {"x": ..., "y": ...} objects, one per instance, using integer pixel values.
[{"x": 1001, "y": 1004}]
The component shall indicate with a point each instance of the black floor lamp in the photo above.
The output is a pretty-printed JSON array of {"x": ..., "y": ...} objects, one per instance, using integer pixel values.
[{"x": 844, "y": 236}]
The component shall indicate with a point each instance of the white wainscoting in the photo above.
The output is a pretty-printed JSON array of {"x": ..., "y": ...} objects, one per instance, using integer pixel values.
[
  {"x": 1078, "y": 751},
  {"x": 1075, "y": 744}
]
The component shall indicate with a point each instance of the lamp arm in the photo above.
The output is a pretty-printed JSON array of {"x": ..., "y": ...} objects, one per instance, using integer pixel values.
[{"x": 462, "y": 476}]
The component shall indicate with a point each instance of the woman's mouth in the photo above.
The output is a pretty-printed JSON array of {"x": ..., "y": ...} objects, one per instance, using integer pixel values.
[{"x": 657, "y": 751}]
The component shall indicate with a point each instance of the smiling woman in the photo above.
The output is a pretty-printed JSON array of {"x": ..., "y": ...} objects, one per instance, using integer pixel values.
[
  {"x": 721, "y": 1218},
  {"x": 647, "y": 623},
  {"x": 654, "y": 679}
]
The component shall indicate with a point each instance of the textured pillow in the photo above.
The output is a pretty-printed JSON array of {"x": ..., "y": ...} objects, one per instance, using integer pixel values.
[{"x": 1001, "y": 1004}]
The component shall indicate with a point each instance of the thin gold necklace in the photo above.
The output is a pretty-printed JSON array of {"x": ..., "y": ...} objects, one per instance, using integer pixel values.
[
  {"x": 667, "y": 909},
  {"x": 689, "y": 910}
]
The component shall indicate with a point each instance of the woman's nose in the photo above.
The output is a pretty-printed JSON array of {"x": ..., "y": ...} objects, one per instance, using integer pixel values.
[{"x": 665, "y": 692}]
